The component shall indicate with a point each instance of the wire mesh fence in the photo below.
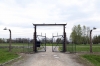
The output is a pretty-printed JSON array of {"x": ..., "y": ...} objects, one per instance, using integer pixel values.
[
  {"x": 18, "y": 47},
  {"x": 81, "y": 48},
  {"x": 71, "y": 48}
]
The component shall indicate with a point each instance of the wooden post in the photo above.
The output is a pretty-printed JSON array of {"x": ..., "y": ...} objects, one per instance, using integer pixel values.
[
  {"x": 64, "y": 44},
  {"x": 90, "y": 41},
  {"x": 10, "y": 41},
  {"x": 34, "y": 46}
]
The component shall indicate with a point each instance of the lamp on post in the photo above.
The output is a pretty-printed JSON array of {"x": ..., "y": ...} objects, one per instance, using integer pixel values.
[
  {"x": 91, "y": 39},
  {"x": 9, "y": 38}
]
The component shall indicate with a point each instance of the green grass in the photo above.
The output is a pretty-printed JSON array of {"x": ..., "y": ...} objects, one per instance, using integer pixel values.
[
  {"x": 6, "y": 56},
  {"x": 88, "y": 45},
  {"x": 19, "y": 50},
  {"x": 24, "y": 44},
  {"x": 95, "y": 49},
  {"x": 82, "y": 48},
  {"x": 52, "y": 44},
  {"x": 95, "y": 59},
  {"x": 15, "y": 44}
]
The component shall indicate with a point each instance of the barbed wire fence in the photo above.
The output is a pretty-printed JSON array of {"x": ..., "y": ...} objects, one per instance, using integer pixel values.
[{"x": 19, "y": 43}]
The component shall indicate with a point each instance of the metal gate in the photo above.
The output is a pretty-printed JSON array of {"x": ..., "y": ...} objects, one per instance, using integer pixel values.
[
  {"x": 41, "y": 43},
  {"x": 57, "y": 43}
]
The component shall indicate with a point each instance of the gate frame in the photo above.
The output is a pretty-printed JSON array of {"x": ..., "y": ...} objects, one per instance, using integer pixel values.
[{"x": 64, "y": 33}]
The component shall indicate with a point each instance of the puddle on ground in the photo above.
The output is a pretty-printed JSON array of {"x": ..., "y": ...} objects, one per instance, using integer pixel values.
[
  {"x": 43, "y": 55},
  {"x": 54, "y": 55}
]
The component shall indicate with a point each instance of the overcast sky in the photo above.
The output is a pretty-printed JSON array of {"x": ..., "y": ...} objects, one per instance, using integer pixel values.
[{"x": 18, "y": 15}]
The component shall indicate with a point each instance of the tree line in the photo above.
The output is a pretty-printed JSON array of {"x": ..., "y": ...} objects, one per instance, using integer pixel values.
[
  {"x": 16, "y": 40},
  {"x": 27, "y": 40},
  {"x": 80, "y": 34},
  {"x": 96, "y": 39}
]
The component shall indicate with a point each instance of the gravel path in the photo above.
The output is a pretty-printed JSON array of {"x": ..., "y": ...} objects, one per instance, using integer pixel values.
[{"x": 48, "y": 58}]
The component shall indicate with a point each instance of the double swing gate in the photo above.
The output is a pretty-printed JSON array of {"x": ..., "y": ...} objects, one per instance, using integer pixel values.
[
  {"x": 57, "y": 43},
  {"x": 41, "y": 43}
]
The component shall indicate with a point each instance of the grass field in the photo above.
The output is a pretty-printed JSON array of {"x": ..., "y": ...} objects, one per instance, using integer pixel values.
[
  {"x": 6, "y": 56},
  {"x": 16, "y": 44},
  {"x": 95, "y": 59},
  {"x": 83, "y": 48},
  {"x": 26, "y": 44}
]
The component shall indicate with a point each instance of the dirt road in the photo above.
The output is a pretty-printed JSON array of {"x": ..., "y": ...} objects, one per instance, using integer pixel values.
[{"x": 48, "y": 58}]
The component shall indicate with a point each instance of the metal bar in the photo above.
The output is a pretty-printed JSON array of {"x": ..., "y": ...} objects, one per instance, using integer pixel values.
[
  {"x": 58, "y": 36},
  {"x": 41, "y": 34},
  {"x": 38, "y": 35},
  {"x": 49, "y": 24},
  {"x": 28, "y": 45},
  {"x": 75, "y": 48},
  {"x": 45, "y": 41},
  {"x": 72, "y": 47},
  {"x": 52, "y": 42},
  {"x": 65, "y": 42},
  {"x": 23, "y": 44}
]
